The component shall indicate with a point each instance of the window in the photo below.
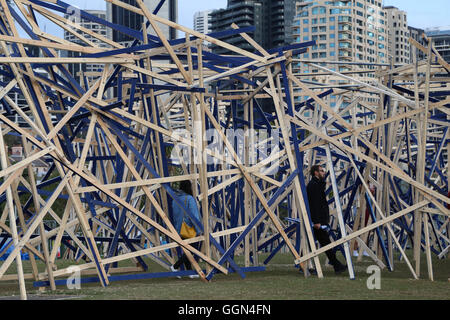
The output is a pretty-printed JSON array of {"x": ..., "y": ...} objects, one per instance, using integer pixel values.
[{"x": 318, "y": 10}]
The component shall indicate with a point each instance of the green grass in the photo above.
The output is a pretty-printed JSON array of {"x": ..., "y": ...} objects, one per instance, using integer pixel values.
[{"x": 281, "y": 281}]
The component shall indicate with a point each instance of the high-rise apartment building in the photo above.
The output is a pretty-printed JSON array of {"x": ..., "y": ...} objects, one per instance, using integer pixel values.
[
  {"x": 352, "y": 30},
  {"x": 281, "y": 16},
  {"x": 441, "y": 41},
  {"x": 15, "y": 94},
  {"x": 272, "y": 20},
  {"x": 344, "y": 31},
  {"x": 398, "y": 35},
  {"x": 89, "y": 69},
  {"x": 416, "y": 34},
  {"x": 124, "y": 17},
  {"x": 244, "y": 14},
  {"x": 202, "y": 21}
]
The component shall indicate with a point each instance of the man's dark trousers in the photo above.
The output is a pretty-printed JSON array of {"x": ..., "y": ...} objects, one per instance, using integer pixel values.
[{"x": 324, "y": 239}]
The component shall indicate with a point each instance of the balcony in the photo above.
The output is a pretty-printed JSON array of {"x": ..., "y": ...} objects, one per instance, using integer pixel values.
[
  {"x": 279, "y": 38},
  {"x": 345, "y": 49},
  {"x": 345, "y": 37},
  {"x": 344, "y": 53},
  {"x": 344, "y": 20},
  {"x": 345, "y": 29}
]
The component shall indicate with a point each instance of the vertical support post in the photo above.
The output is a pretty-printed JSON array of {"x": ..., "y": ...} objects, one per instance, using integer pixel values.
[
  {"x": 12, "y": 221},
  {"x": 202, "y": 157},
  {"x": 41, "y": 224},
  {"x": 247, "y": 191},
  {"x": 348, "y": 256},
  {"x": 286, "y": 137}
]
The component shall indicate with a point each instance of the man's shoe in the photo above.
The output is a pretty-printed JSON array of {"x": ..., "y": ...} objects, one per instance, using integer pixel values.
[
  {"x": 194, "y": 276},
  {"x": 311, "y": 271},
  {"x": 175, "y": 270},
  {"x": 339, "y": 268}
]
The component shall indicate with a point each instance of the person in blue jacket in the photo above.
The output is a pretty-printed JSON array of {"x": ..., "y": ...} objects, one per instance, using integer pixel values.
[{"x": 185, "y": 198}]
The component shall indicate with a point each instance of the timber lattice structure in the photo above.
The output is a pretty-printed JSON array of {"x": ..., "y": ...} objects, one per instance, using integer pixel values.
[{"x": 244, "y": 128}]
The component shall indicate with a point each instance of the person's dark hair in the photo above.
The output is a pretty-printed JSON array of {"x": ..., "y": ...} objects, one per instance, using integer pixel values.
[
  {"x": 186, "y": 186},
  {"x": 315, "y": 168}
]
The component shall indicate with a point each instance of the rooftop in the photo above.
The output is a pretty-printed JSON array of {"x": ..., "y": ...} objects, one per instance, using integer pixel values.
[{"x": 435, "y": 33}]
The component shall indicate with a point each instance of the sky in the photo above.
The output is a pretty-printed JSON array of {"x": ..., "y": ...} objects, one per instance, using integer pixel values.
[{"x": 433, "y": 14}]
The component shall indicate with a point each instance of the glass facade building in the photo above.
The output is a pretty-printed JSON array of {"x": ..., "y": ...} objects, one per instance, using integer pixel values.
[
  {"x": 345, "y": 31},
  {"x": 272, "y": 20},
  {"x": 121, "y": 16}
]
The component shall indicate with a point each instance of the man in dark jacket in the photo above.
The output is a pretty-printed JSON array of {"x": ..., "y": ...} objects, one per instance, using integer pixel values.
[{"x": 320, "y": 214}]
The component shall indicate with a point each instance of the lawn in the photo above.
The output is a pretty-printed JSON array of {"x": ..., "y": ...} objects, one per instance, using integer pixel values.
[{"x": 280, "y": 281}]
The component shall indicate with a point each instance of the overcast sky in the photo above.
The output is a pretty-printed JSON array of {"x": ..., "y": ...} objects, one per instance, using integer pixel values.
[{"x": 421, "y": 14}]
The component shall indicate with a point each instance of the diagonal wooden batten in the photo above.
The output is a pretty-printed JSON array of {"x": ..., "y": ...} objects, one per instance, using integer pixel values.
[
  {"x": 120, "y": 201},
  {"x": 96, "y": 152},
  {"x": 364, "y": 230},
  {"x": 74, "y": 110},
  {"x": 382, "y": 91},
  {"x": 369, "y": 193},
  {"x": 151, "y": 197},
  {"x": 14, "y": 234},
  {"x": 292, "y": 162},
  {"x": 20, "y": 244},
  {"x": 187, "y": 30},
  {"x": 424, "y": 190},
  {"x": 254, "y": 187},
  {"x": 6, "y": 89},
  {"x": 26, "y": 161},
  {"x": 163, "y": 39}
]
